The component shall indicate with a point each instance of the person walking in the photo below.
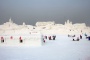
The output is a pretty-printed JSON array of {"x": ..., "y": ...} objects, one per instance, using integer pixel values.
[
  {"x": 54, "y": 36},
  {"x": 80, "y": 36}
]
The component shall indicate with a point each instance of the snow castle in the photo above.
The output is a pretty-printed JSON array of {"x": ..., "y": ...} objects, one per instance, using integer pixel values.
[
  {"x": 12, "y": 34},
  {"x": 67, "y": 28}
]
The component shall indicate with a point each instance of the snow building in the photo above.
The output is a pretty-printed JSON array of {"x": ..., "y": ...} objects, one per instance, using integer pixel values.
[
  {"x": 12, "y": 34},
  {"x": 68, "y": 28},
  {"x": 45, "y": 23}
]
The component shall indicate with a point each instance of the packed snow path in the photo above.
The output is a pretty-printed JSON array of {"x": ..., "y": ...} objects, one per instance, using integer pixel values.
[{"x": 63, "y": 48}]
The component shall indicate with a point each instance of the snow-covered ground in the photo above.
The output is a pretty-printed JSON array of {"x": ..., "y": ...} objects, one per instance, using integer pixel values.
[{"x": 63, "y": 48}]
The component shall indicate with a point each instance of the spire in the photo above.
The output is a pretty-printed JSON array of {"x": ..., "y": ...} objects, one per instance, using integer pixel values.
[
  {"x": 10, "y": 20},
  {"x": 24, "y": 24},
  {"x": 68, "y": 21}
]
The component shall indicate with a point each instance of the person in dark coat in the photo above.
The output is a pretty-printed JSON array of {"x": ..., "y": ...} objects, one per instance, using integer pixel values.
[
  {"x": 73, "y": 36},
  {"x": 43, "y": 40},
  {"x": 68, "y": 35},
  {"x": 73, "y": 39},
  {"x": 80, "y": 36},
  {"x": 49, "y": 38},
  {"x": 77, "y": 38},
  {"x": 45, "y": 37},
  {"x": 89, "y": 38},
  {"x": 54, "y": 36}
]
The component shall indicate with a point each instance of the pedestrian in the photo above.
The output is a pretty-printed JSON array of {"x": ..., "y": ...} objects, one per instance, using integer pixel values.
[
  {"x": 73, "y": 35},
  {"x": 49, "y": 38},
  {"x": 80, "y": 36},
  {"x": 89, "y": 38},
  {"x": 85, "y": 34},
  {"x": 2, "y": 40},
  {"x": 20, "y": 38},
  {"x": 54, "y": 36},
  {"x": 11, "y": 37},
  {"x": 45, "y": 37},
  {"x": 68, "y": 35},
  {"x": 73, "y": 39},
  {"x": 77, "y": 38},
  {"x": 43, "y": 40}
]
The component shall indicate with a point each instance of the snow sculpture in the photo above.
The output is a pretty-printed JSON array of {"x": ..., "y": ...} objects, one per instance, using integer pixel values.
[
  {"x": 45, "y": 23},
  {"x": 24, "y": 24},
  {"x": 10, "y": 20},
  {"x": 32, "y": 35},
  {"x": 33, "y": 39},
  {"x": 12, "y": 34},
  {"x": 67, "y": 28},
  {"x": 67, "y": 23}
]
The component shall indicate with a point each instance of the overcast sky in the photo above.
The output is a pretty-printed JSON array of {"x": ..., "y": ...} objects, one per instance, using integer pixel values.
[{"x": 31, "y": 11}]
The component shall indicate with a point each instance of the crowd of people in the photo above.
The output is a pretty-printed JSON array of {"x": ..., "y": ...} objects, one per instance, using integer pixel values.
[
  {"x": 77, "y": 38},
  {"x": 50, "y": 37},
  {"x": 53, "y": 37}
]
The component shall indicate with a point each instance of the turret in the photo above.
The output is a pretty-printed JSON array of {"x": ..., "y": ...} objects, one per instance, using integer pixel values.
[
  {"x": 10, "y": 20},
  {"x": 24, "y": 24},
  {"x": 68, "y": 22}
]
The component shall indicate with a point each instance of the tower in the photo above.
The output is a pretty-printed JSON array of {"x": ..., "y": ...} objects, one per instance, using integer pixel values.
[
  {"x": 68, "y": 22},
  {"x": 10, "y": 20}
]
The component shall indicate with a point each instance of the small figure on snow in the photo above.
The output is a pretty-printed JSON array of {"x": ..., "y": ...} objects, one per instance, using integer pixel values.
[
  {"x": 80, "y": 36},
  {"x": 73, "y": 39},
  {"x": 11, "y": 37},
  {"x": 54, "y": 36},
  {"x": 88, "y": 37},
  {"x": 2, "y": 40},
  {"x": 43, "y": 40},
  {"x": 73, "y": 36},
  {"x": 49, "y": 38},
  {"x": 45, "y": 37},
  {"x": 85, "y": 34},
  {"x": 77, "y": 38},
  {"x": 20, "y": 38}
]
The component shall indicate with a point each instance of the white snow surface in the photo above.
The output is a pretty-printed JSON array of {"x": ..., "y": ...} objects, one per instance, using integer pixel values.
[{"x": 63, "y": 48}]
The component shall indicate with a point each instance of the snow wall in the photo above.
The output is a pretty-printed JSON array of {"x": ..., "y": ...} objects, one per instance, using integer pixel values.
[{"x": 27, "y": 40}]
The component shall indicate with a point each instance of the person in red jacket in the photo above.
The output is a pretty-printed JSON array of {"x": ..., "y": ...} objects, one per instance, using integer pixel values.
[
  {"x": 20, "y": 38},
  {"x": 2, "y": 39},
  {"x": 11, "y": 37}
]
